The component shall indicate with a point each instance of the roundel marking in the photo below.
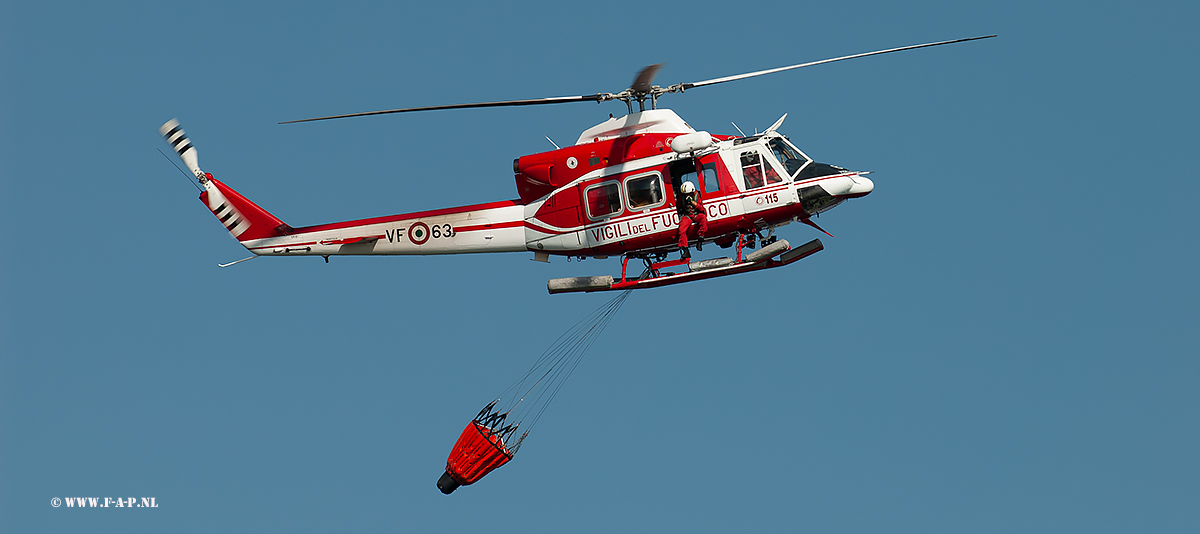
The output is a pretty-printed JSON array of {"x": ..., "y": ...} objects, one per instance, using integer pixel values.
[
  {"x": 418, "y": 233},
  {"x": 572, "y": 162}
]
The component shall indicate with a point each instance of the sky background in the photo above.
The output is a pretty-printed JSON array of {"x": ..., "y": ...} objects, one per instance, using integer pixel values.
[{"x": 1001, "y": 338}]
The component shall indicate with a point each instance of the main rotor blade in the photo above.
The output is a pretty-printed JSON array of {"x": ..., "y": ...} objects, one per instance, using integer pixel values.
[
  {"x": 526, "y": 102},
  {"x": 644, "y": 79},
  {"x": 781, "y": 69},
  {"x": 641, "y": 86}
]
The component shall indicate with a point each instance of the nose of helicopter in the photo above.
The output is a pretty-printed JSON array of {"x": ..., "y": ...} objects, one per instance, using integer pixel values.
[{"x": 861, "y": 186}]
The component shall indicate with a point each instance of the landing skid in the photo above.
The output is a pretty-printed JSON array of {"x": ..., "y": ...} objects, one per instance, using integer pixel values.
[{"x": 776, "y": 254}]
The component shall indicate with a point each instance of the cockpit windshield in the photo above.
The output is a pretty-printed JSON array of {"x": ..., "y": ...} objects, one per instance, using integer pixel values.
[{"x": 791, "y": 158}]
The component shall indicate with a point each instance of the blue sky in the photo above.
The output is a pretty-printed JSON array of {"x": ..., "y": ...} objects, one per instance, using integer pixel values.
[{"x": 1002, "y": 337}]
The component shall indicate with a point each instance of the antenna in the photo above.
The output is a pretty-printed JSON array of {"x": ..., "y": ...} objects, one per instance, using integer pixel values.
[
  {"x": 738, "y": 129},
  {"x": 185, "y": 175},
  {"x": 556, "y": 147}
]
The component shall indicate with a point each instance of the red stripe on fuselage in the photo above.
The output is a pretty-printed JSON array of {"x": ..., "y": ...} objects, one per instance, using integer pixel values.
[
  {"x": 492, "y": 226},
  {"x": 545, "y": 230},
  {"x": 406, "y": 216}
]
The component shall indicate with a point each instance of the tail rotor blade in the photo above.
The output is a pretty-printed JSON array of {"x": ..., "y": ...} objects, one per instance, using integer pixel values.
[{"x": 173, "y": 133}]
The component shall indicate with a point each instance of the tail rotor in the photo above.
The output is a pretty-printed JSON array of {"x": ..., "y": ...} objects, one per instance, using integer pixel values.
[
  {"x": 244, "y": 219},
  {"x": 173, "y": 133}
]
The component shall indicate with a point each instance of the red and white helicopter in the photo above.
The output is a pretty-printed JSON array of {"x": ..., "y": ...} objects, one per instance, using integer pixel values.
[{"x": 612, "y": 193}]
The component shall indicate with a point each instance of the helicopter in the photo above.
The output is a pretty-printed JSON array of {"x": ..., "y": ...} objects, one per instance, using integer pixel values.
[{"x": 615, "y": 192}]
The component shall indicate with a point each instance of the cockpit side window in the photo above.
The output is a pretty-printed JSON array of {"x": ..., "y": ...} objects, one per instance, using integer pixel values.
[
  {"x": 769, "y": 170},
  {"x": 791, "y": 159},
  {"x": 758, "y": 170},
  {"x": 752, "y": 172}
]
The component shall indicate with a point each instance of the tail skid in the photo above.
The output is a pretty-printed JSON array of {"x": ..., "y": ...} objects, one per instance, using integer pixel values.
[{"x": 236, "y": 262}]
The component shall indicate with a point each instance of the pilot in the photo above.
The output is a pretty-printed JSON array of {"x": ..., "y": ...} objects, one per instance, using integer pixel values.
[
  {"x": 690, "y": 211},
  {"x": 753, "y": 176}
]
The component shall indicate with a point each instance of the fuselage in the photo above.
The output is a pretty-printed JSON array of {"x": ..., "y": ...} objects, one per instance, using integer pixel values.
[{"x": 611, "y": 193}]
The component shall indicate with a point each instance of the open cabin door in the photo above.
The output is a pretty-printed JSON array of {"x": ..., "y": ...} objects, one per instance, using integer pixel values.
[{"x": 715, "y": 188}]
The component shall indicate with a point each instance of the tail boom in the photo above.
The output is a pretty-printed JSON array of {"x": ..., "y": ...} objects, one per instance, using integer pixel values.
[{"x": 490, "y": 227}]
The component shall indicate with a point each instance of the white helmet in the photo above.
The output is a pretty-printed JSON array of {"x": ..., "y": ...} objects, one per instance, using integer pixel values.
[{"x": 688, "y": 188}]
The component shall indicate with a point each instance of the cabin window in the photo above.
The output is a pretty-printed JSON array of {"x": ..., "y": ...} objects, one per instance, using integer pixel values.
[
  {"x": 603, "y": 200},
  {"x": 644, "y": 192},
  {"x": 752, "y": 172},
  {"x": 711, "y": 184}
]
